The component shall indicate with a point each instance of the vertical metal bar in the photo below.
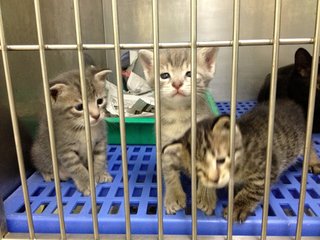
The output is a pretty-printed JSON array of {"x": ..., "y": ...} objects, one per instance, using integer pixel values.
[
  {"x": 156, "y": 65},
  {"x": 15, "y": 127},
  {"x": 272, "y": 103},
  {"x": 86, "y": 118},
  {"x": 3, "y": 222},
  {"x": 105, "y": 24},
  {"x": 49, "y": 118},
  {"x": 193, "y": 32},
  {"x": 122, "y": 117},
  {"x": 311, "y": 104},
  {"x": 234, "y": 86}
]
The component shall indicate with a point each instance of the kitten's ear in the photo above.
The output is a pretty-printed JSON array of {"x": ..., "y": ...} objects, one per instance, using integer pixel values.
[
  {"x": 222, "y": 127},
  {"x": 207, "y": 57},
  {"x": 56, "y": 90},
  {"x": 146, "y": 59},
  {"x": 102, "y": 75},
  {"x": 221, "y": 124},
  {"x": 173, "y": 148},
  {"x": 302, "y": 62}
]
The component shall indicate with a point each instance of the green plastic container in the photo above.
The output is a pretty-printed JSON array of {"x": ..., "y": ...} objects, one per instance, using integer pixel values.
[
  {"x": 138, "y": 130},
  {"x": 141, "y": 130}
]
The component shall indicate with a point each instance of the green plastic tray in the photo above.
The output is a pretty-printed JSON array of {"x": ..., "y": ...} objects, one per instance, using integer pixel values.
[
  {"x": 141, "y": 130},
  {"x": 138, "y": 130}
]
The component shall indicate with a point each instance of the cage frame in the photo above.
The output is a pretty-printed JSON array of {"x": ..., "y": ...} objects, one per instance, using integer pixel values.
[{"x": 235, "y": 43}]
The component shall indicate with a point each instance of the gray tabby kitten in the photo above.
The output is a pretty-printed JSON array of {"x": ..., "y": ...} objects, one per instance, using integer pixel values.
[
  {"x": 67, "y": 111},
  {"x": 213, "y": 161},
  {"x": 176, "y": 158},
  {"x": 175, "y": 93}
]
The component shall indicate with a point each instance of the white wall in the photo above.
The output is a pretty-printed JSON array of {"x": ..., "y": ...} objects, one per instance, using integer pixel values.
[{"x": 215, "y": 23}]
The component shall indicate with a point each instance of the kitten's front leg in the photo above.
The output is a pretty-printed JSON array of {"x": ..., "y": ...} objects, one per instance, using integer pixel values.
[
  {"x": 175, "y": 198},
  {"x": 246, "y": 200},
  {"x": 206, "y": 198},
  {"x": 71, "y": 163},
  {"x": 314, "y": 163},
  {"x": 100, "y": 163}
]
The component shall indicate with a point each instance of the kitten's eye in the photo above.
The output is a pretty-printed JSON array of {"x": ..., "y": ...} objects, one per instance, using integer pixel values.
[
  {"x": 79, "y": 107},
  {"x": 165, "y": 75},
  {"x": 221, "y": 160},
  {"x": 188, "y": 74},
  {"x": 99, "y": 101}
]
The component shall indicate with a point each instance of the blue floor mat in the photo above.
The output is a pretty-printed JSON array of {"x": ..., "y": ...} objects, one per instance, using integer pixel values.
[{"x": 284, "y": 198}]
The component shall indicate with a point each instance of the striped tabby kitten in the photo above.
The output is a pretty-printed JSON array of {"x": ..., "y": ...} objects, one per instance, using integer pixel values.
[
  {"x": 67, "y": 111},
  {"x": 176, "y": 159},
  {"x": 213, "y": 161},
  {"x": 175, "y": 93}
]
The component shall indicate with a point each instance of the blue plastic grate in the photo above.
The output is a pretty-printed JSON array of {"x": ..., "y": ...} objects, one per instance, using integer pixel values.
[{"x": 284, "y": 199}]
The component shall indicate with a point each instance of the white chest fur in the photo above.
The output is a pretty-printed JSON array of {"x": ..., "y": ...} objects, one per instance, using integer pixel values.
[
  {"x": 176, "y": 122},
  {"x": 96, "y": 133}
]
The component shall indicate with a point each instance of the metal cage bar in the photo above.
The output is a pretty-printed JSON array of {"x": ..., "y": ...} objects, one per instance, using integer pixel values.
[
  {"x": 234, "y": 43},
  {"x": 224, "y": 43},
  {"x": 15, "y": 127},
  {"x": 311, "y": 105},
  {"x": 272, "y": 105},
  {"x": 3, "y": 223},
  {"x": 121, "y": 118},
  {"x": 234, "y": 86},
  {"x": 86, "y": 119},
  {"x": 193, "y": 38},
  {"x": 49, "y": 118},
  {"x": 156, "y": 65}
]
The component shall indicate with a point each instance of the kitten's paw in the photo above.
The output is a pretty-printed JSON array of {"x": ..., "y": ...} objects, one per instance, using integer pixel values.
[
  {"x": 315, "y": 169},
  {"x": 103, "y": 177},
  {"x": 85, "y": 190},
  {"x": 48, "y": 177},
  {"x": 314, "y": 162},
  {"x": 206, "y": 201},
  {"x": 174, "y": 201},
  {"x": 83, "y": 186},
  {"x": 240, "y": 214}
]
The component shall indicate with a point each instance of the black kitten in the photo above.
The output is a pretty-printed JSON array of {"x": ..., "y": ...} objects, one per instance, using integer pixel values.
[{"x": 294, "y": 83}]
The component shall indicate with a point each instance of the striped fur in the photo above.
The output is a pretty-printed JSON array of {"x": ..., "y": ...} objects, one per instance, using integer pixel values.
[
  {"x": 288, "y": 143},
  {"x": 213, "y": 158},
  {"x": 175, "y": 93},
  {"x": 175, "y": 108},
  {"x": 69, "y": 130},
  {"x": 176, "y": 159}
]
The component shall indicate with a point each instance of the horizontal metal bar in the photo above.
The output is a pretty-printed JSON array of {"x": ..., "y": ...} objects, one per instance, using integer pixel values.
[
  {"x": 20, "y": 236},
  {"x": 224, "y": 43}
]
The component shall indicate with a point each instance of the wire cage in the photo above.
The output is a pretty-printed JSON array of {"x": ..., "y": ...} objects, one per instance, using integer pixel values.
[{"x": 132, "y": 205}]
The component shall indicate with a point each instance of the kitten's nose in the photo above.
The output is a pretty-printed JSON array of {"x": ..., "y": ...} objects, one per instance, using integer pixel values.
[
  {"x": 216, "y": 180},
  {"x": 94, "y": 111},
  {"x": 95, "y": 116},
  {"x": 214, "y": 177},
  {"x": 177, "y": 84}
]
